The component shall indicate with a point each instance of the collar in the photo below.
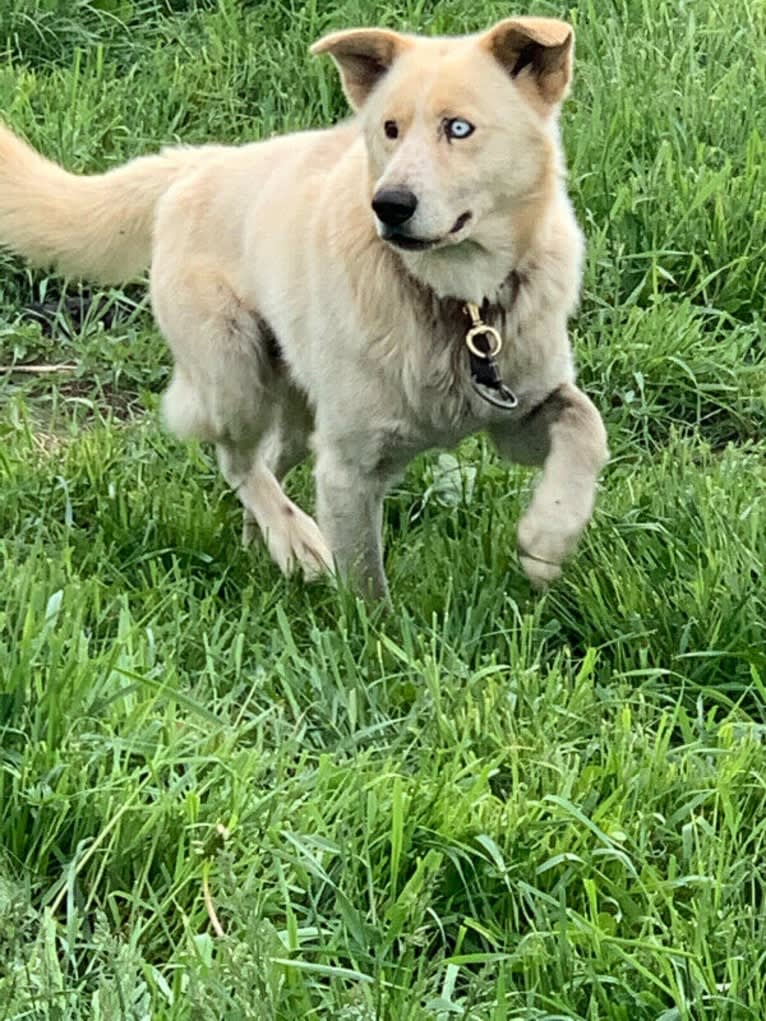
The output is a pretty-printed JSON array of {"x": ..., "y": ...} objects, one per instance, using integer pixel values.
[
  {"x": 484, "y": 344},
  {"x": 482, "y": 340}
]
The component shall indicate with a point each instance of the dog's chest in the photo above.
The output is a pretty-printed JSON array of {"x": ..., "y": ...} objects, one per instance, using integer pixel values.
[{"x": 437, "y": 375}]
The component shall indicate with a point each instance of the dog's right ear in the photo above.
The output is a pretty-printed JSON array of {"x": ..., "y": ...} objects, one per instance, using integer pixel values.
[{"x": 363, "y": 56}]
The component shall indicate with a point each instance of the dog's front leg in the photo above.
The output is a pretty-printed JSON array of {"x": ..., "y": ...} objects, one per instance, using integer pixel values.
[
  {"x": 566, "y": 436},
  {"x": 350, "y": 513}
]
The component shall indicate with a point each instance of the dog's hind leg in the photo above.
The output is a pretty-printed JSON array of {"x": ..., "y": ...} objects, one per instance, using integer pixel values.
[
  {"x": 228, "y": 388},
  {"x": 292, "y": 537},
  {"x": 285, "y": 444}
]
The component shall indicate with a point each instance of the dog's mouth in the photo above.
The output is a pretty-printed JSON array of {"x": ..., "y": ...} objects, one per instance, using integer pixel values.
[
  {"x": 409, "y": 243},
  {"x": 461, "y": 221}
]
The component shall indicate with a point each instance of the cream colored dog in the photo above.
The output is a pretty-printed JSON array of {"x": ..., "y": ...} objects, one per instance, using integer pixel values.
[{"x": 320, "y": 288}]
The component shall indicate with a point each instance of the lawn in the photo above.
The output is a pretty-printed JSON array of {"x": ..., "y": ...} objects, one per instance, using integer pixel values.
[{"x": 228, "y": 796}]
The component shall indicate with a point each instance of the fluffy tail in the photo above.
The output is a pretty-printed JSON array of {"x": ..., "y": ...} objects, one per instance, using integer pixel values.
[{"x": 99, "y": 226}]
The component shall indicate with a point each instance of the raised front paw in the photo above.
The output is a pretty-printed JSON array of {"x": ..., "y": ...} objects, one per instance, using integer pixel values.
[{"x": 546, "y": 537}]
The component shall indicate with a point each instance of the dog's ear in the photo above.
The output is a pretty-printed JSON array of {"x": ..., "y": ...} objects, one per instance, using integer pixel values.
[
  {"x": 363, "y": 56},
  {"x": 537, "y": 53}
]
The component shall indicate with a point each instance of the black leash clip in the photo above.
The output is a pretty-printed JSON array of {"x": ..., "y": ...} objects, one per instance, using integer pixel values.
[{"x": 484, "y": 343}]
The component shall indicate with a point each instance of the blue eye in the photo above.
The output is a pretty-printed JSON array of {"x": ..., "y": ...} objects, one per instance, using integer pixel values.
[{"x": 456, "y": 127}]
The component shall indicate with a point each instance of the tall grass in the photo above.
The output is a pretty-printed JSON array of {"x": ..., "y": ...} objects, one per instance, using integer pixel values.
[{"x": 482, "y": 805}]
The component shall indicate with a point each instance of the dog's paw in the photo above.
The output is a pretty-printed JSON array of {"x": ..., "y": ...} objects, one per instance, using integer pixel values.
[
  {"x": 296, "y": 544},
  {"x": 540, "y": 573},
  {"x": 545, "y": 540}
]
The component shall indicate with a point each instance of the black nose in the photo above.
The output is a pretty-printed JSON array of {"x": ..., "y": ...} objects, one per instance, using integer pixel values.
[{"x": 394, "y": 206}]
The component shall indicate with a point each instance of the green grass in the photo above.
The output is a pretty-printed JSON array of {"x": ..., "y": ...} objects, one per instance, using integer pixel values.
[{"x": 482, "y": 805}]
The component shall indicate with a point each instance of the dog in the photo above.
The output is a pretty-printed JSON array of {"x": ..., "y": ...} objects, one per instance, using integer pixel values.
[{"x": 368, "y": 291}]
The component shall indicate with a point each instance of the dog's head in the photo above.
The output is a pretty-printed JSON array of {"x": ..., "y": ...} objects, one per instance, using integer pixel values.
[{"x": 460, "y": 132}]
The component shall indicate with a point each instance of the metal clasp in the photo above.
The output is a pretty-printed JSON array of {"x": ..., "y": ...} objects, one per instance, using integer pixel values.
[
  {"x": 480, "y": 329},
  {"x": 485, "y": 374}
]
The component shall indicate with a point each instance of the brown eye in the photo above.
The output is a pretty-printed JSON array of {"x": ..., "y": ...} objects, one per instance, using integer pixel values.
[{"x": 391, "y": 129}]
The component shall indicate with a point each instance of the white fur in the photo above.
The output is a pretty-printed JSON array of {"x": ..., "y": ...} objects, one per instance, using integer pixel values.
[{"x": 277, "y": 241}]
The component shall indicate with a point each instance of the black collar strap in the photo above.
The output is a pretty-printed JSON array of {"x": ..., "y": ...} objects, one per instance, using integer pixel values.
[{"x": 484, "y": 343}]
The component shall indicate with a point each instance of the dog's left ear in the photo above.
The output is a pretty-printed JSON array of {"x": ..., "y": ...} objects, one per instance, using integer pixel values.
[
  {"x": 537, "y": 53},
  {"x": 363, "y": 55}
]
